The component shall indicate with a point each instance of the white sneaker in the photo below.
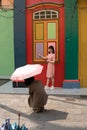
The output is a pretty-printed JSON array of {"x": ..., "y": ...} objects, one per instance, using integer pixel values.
[
  {"x": 46, "y": 87},
  {"x": 52, "y": 87}
]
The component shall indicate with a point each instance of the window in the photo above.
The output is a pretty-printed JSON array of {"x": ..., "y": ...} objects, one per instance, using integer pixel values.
[
  {"x": 45, "y": 14},
  {"x": 45, "y": 33}
]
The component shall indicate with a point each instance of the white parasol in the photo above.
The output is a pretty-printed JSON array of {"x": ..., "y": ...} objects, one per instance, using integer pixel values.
[{"x": 26, "y": 71}]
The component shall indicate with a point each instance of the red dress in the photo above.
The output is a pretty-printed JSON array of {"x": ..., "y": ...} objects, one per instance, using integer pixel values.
[{"x": 50, "y": 66}]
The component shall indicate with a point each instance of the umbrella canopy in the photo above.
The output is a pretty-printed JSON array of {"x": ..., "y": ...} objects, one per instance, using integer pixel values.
[{"x": 26, "y": 71}]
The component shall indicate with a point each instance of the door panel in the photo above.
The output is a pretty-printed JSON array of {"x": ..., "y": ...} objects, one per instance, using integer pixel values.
[
  {"x": 51, "y": 31},
  {"x": 39, "y": 31},
  {"x": 45, "y": 34}
]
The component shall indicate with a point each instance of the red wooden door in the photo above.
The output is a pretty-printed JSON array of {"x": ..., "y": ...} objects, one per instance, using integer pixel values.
[{"x": 44, "y": 28}]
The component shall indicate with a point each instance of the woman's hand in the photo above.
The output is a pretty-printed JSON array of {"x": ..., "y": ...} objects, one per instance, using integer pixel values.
[
  {"x": 48, "y": 61},
  {"x": 40, "y": 55},
  {"x": 44, "y": 58}
]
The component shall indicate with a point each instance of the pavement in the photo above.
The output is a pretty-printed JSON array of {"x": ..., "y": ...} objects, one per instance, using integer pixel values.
[
  {"x": 7, "y": 88},
  {"x": 66, "y": 109},
  {"x": 63, "y": 112}
]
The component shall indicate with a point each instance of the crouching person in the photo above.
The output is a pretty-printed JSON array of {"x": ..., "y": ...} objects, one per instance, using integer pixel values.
[{"x": 37, "y": 95}]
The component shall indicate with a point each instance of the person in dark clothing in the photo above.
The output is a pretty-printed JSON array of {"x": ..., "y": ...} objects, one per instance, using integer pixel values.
[{"x": 37, "y": 95}]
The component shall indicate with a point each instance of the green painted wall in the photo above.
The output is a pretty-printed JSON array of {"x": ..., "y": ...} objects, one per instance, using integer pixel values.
[
  {"x": 6, "y": 43},
  {"x": 71, "y": 40}
]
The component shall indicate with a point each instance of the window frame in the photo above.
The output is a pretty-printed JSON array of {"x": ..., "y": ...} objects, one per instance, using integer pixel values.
[{"x": 50, "y": 14}]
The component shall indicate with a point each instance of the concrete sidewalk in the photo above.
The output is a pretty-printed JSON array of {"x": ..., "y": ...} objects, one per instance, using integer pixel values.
[
  {"x": 63, "y": 112},
  {"x": 8, "y": 89}
]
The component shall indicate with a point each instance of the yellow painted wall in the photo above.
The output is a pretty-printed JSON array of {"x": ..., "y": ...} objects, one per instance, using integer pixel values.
[{"x": 82, "y": 10}]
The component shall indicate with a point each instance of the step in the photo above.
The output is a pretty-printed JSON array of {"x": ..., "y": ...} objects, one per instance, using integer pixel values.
[{"x": 75, "y": 83}]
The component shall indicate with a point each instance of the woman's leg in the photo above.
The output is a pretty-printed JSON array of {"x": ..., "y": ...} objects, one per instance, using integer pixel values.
[
  {"x": 47, "y": 83},
  {"x": 52, "y": 87},
  {"x": 52, "y": 81}
]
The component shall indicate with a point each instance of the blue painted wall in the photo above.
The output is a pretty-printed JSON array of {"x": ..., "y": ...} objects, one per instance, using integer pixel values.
[{"x": 19, "y": 33}]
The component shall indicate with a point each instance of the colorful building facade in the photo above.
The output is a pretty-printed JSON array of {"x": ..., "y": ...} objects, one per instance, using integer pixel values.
[{"x": 51, "y": 22}]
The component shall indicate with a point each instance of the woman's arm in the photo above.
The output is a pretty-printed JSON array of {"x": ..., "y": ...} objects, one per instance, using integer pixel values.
[
  {"x": 45, "y": 58},
  {"x": 51, "y": 61}
]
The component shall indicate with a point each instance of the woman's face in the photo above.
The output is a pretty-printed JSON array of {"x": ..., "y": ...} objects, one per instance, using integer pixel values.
[{"x": 49, "y": 51}]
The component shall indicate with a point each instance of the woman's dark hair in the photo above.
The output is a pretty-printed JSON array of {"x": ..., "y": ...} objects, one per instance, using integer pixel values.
[
  {"x": 52, "y": 48},
  {"x": 29, "y": 81}
]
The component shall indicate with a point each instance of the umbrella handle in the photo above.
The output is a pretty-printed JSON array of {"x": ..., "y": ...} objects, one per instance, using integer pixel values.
[{"x": 19, "y": 118}]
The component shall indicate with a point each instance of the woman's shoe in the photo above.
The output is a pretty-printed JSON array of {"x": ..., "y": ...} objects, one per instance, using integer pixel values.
[
  {"x": 46, "y": 87},
  {"x": 34, "y": 109},
  {"x": 52, "y": 87},
  {"x": 38, "y": 110}
]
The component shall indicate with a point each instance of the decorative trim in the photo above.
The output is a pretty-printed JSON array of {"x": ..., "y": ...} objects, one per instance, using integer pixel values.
[{"x": 45, "y": 4}]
